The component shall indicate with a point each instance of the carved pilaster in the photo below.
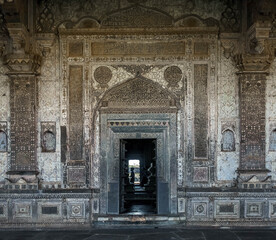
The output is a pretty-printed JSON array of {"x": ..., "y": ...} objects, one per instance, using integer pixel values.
[
  {"x": 23, "y": 67},
  {"x": 252, "y": 83}
]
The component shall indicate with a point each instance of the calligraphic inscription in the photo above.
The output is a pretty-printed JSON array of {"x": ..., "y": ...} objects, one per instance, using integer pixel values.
[
  {"x": 75, "y": 49},
  {"x": 102, "y": 75},
  {"x": 173, "y": 75},
  {"x": 252, "y": 105},
  {"x": 75, "y": 112},
  {"x": 23, "y": 125},
  {"x": 138, "y": 49},
  {"x": 200, "y": 109}
]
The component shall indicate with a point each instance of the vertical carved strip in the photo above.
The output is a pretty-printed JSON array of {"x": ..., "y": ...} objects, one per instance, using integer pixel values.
[
  {"x": 23, "y": 123},
  {"x": 252, "y": 110},
  {"x": 200, "y": 109},
  {"x": 75, "y": 112}
]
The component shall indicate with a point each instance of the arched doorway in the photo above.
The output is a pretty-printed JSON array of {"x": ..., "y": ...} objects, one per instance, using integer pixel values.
[{"x": 138, "y": 114}]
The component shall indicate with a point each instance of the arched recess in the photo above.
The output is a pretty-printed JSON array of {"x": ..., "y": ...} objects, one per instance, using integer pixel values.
[
  {"x": 228, "y": 141},
  {"x": 138, "y": 109},
  {"x": 272, "y": 140}
]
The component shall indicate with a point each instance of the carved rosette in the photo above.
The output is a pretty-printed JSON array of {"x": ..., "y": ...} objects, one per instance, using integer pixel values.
[
  {"x": 173, "y": 76},
  {"x": 102, "y": 75}
]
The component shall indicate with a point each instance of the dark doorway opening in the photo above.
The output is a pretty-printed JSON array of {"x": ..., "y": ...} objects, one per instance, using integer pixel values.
[{"x": 138, "y": 176}]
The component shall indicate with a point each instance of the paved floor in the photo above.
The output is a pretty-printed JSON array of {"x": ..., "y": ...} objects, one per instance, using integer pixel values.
[{"x": 144, "y": 234}]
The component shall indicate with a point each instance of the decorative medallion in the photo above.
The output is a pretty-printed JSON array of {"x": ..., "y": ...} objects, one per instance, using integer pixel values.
[
  {"x": 173, "y": 75},
  {"x": 103, "y": 75}
]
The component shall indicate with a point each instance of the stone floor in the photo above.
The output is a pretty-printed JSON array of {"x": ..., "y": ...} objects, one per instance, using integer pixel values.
[{"x": 174, "y": 233}]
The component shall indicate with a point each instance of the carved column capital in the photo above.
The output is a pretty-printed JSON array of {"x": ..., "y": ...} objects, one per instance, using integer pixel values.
[
  {"x": 21, "y": 60},
  {"x": 247, "y": 63}
]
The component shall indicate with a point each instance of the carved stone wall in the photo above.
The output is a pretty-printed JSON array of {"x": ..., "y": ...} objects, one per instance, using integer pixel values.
[
  {"x": 271, "y": 119},
  {"x": 201, "y": 110},
  {"x": 4, "y": 118},
  {"x": 228, "y": 118},
  {"x": 124, "y": 13},
  {"x": 49, "y": 92},
  {"x": 23, "y": 101}
]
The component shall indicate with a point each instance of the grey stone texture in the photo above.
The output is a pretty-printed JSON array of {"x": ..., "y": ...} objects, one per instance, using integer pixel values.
[{"x": 198, "y": 77}]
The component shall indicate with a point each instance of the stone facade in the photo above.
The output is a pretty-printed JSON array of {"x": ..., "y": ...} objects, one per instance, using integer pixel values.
[{"x": 77, "y": 77}]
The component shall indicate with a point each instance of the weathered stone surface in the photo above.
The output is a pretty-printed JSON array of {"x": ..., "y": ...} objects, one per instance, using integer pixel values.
[{"x": 156, "y": 71}]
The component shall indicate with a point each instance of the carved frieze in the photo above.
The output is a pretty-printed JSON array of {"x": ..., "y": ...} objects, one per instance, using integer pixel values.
[
  {"x": 252, "y": 123},
  {"x": 137, "y": 16},
  {"x": 145, "y": 49}
]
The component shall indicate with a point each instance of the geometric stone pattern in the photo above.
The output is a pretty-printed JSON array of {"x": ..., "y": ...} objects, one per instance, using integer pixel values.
[
  {"x": 252, "y": 121},
  {"x": 23, "y": 123}
]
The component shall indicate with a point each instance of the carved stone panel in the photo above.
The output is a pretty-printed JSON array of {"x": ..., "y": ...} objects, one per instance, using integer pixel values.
[
  {"x": 75, "y": 49},
  {"x": 23, "y": 124},
  {"x": 200, "y": 109},
  {"x": 132, "y": 49},
  {"x": 75, "y": 112},
  {"x": 201, "y": 174},
  {"x": 252, "y": 105}
]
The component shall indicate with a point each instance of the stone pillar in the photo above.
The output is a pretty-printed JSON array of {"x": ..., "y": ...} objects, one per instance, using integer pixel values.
[
  {"x": 23, "y": 68},
  {"x": 252, "y": 172}
]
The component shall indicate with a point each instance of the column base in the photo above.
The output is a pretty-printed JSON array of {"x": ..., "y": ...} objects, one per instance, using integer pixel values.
[
  {"x": 254, "y": 179},
  {"x": 22, "y": 180}
]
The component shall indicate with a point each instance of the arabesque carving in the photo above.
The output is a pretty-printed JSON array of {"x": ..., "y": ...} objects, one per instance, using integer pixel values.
[
  {"x": 137, "y": 16},
  {"x": 138, "y": 93}
]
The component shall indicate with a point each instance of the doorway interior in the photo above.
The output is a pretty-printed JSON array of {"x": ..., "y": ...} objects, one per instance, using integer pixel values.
[{"x": 138, "y": 176}]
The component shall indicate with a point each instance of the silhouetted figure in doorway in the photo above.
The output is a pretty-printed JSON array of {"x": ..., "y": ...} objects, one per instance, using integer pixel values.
[{"x": 132, "y": 176}]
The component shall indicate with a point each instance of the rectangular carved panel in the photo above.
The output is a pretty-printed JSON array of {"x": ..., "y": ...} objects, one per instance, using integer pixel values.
[
  {"x": 200, "y": 109},
  {"x": 137, "y": 49},
  {"x": 75, "y": 49},
  {"x": 63, "y": 141},
  {"x": 23, "y": 123},
  {"x": 75, "y": 112},
  {"x": 201, "y": 48},
  {"x": 252, "y": 108},
  {"x": 49, "y": 210}
]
